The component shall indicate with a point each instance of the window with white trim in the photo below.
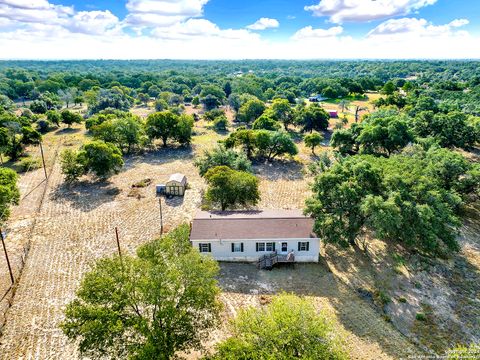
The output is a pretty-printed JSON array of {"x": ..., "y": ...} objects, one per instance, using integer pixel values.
[
  {"x": 265, "y": 246},
  {"x": 303, "y": 246},
  {"x": 237, "y": 247},
  {"x": 205, "y": 247}
]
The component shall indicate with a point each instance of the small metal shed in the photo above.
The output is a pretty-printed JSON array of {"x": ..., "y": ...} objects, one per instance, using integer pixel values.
[{"x": 176, "y": 185}]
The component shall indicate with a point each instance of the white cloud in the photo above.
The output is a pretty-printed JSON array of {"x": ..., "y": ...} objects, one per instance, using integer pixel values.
[
  {"x": 35, "y": 11},
  {"x": 162, "y": 12},
  {"x": 175, "y": 29},
  {"x": 417, "y": 27},
  {"x": 309, "y": 32},
  {"x": 264, "y": 23},
  {"x": 194, "y": 29},
  {"x": 340, "y": 11},
  {"x": 93, "y": 22},
  {"x": 215, "y": 43}
]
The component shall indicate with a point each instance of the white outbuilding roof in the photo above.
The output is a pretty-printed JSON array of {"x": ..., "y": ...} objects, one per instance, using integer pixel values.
[{"x": 179, "y": 178}]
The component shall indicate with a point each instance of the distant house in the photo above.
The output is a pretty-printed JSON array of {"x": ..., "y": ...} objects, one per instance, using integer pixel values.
[
  {"x": 250, "y": 235},
  {"x": 317, "y": 98},
  {"x": 333, "y": 113},
  {"x": 176, "y": 185}
]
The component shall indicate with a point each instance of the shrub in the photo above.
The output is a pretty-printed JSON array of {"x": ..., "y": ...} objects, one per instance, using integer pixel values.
[
  {"x": 9, "y": 193},
  {"x": 29, "y": 164},
  {"x": 220, "y": 123},
  {"x": 43, "y": 126},
  {"x": 420, "y": 316}
]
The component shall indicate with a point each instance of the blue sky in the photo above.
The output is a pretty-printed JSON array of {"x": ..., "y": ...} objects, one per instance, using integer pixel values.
[{"x": 239, "y": 29}]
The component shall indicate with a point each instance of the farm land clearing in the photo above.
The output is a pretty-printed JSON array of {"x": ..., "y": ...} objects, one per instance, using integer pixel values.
[{"x": 74, "y": 226}]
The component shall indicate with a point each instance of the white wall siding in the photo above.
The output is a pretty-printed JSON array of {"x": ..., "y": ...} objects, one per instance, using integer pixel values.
[{"x": 222, "y": 249}]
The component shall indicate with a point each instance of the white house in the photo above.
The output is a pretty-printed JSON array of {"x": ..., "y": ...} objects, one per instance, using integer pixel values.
[{"x": 248, "y": 235}]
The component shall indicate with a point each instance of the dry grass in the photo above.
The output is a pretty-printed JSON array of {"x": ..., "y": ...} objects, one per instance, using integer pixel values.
[{"x": 75, "y": 226}]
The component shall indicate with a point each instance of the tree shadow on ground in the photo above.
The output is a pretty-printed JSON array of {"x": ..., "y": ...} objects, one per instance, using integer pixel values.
[
  {"x": 67, "y": 131},
  {"x": 279, "y": 170},
  {"x": 85, "y": 195},
  {"x": 159, "y": 156},
  {"x": 315, "y": 280}
]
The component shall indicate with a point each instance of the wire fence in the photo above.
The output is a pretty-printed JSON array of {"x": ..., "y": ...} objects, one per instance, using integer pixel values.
[{"x": 33, "y": 187}]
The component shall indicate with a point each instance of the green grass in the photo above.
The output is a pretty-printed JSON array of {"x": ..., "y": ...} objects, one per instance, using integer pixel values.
[{"x": 420, "y": 316}]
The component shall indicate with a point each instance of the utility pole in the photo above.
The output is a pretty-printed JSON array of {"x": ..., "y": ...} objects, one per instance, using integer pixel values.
[
  {"x": 118, "y": 243},
  {"x": 6, "y": 257},
  {"x": 43, "y": 161},
  {"x": 161, "y": 215}
]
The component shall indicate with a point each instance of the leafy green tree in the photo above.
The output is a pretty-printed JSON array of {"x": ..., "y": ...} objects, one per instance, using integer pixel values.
[
  {"x": 313, "y": 140},
  {"x": 227, "y": 89},
  {"x": 143, "y": 98},
  {"x": 213, "y": 114},
  {"x": 411, "y": 198},
  {"x": 251, "y": 110},
  {"x": 161, "y": 105},
  {"x": 69, "y": 118},
  {"x": 266, "y": 122},
  {"x": 220, "y": 123},
  {"x": 16, "y": 134},
  {"x": 425, "y": 103},
  {"x": 228, "y": 188},
  {"x": 381, "y": 133},
  {"x": 212, "y": 96},
  {"x": 6, "y": 105},
  {"x": 221, "y": 156},
  {"x": 114, "y": 98},
  {"x": 389, "y": 88},
  {"x": 384, "y": 132},
  {"x": 147, "y": 307},
  {"x": 282, "y": 111},
  {"x": 38, "y": 107},
  {"x": 54, "y": 117},
  {"x": 78, "y": 100},
  {"x": 271, "y": 144},
  {"x": 337, "y": 200},
  {"x": 9, "y": 193},
  {"x": 100, "y": 158},
  {"x": 161, "y": 125},
  {"x": 195, "y": 102},
  {"x": 244, "y": 138},
  {"x": 452, "y": 130},
  {"x": 71, "y": 167},
  {"x": 183, "y": 129},
  {"x": 124, "y": 132},
  {"x": 344, "y": 140},
  {"x": 235, "y": 101},
  {"x": 288, "y": 328},
  {"x": 313, "y": 117}
]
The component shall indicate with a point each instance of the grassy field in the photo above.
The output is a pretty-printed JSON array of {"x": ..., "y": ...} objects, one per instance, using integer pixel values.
[{"x": 74, "y": 226}]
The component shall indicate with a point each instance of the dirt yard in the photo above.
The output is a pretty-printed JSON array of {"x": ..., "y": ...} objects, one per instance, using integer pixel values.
[
  {"x": 367, "y": 335},
  {"x": 75, "y": 226}
]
